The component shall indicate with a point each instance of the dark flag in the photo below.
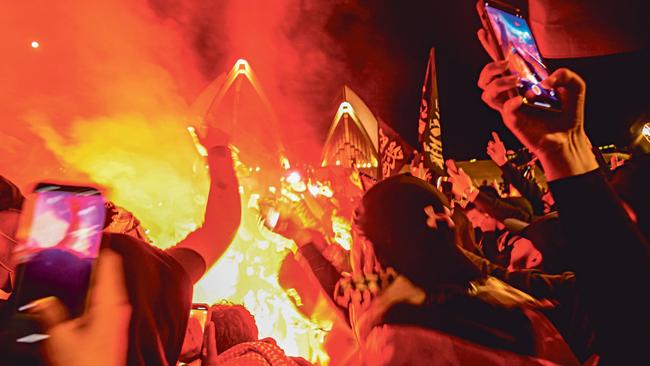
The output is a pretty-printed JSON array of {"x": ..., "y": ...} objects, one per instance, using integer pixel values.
[
  {"x": 429, "y": 126},
  {"x": 394, "y": 152}
]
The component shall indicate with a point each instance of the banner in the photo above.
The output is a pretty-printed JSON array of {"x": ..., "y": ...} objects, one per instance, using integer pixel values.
[
  {"x": 394, "y": 152},
  {"x": 429, "y": 126}
]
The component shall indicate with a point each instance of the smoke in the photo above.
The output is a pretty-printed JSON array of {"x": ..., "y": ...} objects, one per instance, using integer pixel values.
[
  {"x": 104, "y": 96},
  {"x": 103, "y": 99},
  {"x": 300, "y": 66}
]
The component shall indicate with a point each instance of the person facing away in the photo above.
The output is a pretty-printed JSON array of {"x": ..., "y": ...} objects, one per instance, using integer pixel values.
[
  {"x": 406, "y": 222},
  {"x": 232, "y": 339}
]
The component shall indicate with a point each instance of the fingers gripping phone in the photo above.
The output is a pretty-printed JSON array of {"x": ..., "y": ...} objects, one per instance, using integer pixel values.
[
  {"x": 508, "y": 27},
  {"x": 59, "y": 237},
  {"x": 194, "y": 340}
]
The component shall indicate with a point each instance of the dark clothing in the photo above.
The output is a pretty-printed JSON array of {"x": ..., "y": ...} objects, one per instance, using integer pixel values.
[
  {"x": 471, "y": 319},
  {"x": 528, "y": 188},
  {"x": 160, "y": 293},
  {"x": 191, "y": 261},
  {"x": 612, "y": 261},
  {"x": 324, "y": 271},
  {"x": 568, "y": 315},
  {"x": 463, "y": 316},
  {"x": 489, "y": 243}
]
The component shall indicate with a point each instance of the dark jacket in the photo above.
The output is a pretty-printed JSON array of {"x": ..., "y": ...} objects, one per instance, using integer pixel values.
[{"x": 611, "y": 259}]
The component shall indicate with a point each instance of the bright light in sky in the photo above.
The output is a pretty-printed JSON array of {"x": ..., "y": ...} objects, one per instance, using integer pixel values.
[{"x": 35, "y": 44}]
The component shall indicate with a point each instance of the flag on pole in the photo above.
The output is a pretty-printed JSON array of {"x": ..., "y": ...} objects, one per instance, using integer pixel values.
[
  {"x": 394, "y": 152},
  {"x": 429, "y": 126}
]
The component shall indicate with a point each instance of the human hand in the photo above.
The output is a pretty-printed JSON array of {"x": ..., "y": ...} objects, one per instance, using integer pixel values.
[
  {"x": 615, "y": 162},
  {"x": 462, "y": 185},
  {"x": 102, "y": 330},
  {"x": 497, "y": 150},
  {"x": 210, "y": 353},
  {"x": 294, "y": 221},
  {"x": 557, "y": 138},
  {"x": 489, "y": 44}
]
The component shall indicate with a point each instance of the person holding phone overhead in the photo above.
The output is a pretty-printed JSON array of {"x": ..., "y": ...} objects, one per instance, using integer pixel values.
[
  {"x": 608, "y": 252},
  {"x": 159, "y": 282}
]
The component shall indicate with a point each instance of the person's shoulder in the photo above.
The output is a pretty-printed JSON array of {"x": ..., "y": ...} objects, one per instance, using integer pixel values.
[{"x": 141, "y": 255}]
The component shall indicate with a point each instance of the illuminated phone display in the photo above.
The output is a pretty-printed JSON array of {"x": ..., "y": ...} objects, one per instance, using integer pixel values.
[
  {"x": 518, "y": 46},
  {"x": 58, "y": 242},
  {"x": 200, "y": 312}
]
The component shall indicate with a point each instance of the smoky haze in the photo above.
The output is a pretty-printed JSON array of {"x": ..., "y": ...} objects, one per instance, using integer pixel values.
[{"x": 104, "y": 96}]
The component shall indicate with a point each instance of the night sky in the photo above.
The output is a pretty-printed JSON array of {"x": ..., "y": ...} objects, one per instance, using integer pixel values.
[{"x": 374, "y": 32}]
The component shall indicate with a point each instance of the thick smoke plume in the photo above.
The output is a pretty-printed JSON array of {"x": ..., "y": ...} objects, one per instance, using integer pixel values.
[{"x": 103, "y": 98}]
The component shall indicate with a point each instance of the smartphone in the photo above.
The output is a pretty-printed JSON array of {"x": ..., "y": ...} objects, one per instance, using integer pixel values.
[
  {"x": 59, "y": 237},
  {"x": 506, "y": 25},
  {"x": 201, "y": 312},
  {"x": 194, "y": 339}
]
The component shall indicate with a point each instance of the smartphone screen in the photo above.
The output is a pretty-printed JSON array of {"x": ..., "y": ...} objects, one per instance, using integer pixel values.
[
  {"x": 200, "y": 312},
  {"x": 518, "y": 46},
  {"x": 58, "y": 242}
]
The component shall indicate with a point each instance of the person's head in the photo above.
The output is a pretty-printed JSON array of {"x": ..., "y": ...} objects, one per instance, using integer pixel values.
[
  {"x": 632, "y": 183},
  {"x": 481, "y": 220},
  {"x": 10, "y": 195},
  {"x": 11, "y": 202},
  {"x": 233, "y": 324},
  {"x": 407, "y": 222},
  {"x": 523, "y": 253},
  {"x": 539, "y": 244}
]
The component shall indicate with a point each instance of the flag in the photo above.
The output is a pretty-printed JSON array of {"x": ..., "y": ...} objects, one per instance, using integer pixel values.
[
  {"x": 429, "y": 126},
  {"x": 394, "y": 152}
]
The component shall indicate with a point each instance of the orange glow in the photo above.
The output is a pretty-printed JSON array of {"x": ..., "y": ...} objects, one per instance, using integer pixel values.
[
  {"x": 112, "y": 108},
  {"x": 248, "y": 274}
]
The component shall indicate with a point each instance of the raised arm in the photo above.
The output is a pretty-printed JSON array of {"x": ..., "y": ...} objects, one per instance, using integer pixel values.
[
  {"x": 464, "y": 188},
  {"x": 528, "y": 189},
  {"x": 222, "y": 212},
  {"x": 611, "y": 258}
]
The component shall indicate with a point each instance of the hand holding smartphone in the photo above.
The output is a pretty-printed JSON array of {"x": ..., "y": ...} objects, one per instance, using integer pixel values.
[
  {"x": 511, "y": 39},
  {"x": 194, "y": 340},
  {"x": 59, "y": 237}
]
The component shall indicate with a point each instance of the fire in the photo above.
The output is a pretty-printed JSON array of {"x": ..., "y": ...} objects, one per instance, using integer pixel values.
[
  {"x": 248, "y": 274},
  {"x": 153, "y": 164}
]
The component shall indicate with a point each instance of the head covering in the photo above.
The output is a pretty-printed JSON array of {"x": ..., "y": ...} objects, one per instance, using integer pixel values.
[
  {"x": 406, "y": 220},
  {"x": 10, "y": 195}
]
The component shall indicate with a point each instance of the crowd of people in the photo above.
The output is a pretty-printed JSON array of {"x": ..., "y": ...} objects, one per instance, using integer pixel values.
[{"x": 479, "y": 276}]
